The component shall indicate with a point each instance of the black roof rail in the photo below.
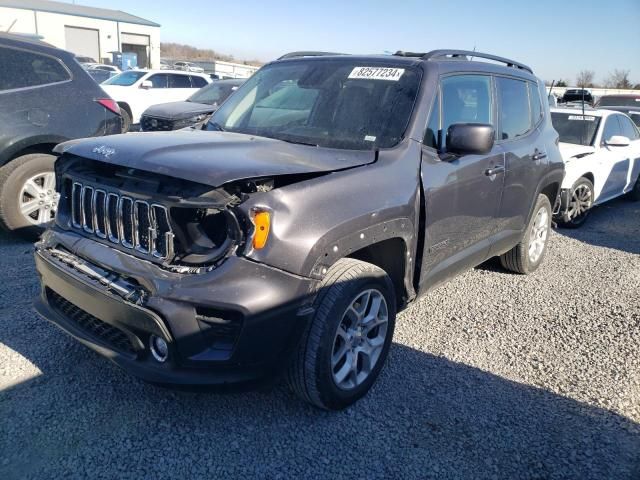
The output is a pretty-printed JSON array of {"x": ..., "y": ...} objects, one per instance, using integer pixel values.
[
  {"x": 308, "y": 54},
  {"x": 435, "y": 54},
  {"x": 400, "y": 53}
]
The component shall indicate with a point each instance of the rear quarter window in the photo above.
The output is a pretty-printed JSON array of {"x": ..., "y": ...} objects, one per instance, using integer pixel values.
[{"x": 24, "y": 69}]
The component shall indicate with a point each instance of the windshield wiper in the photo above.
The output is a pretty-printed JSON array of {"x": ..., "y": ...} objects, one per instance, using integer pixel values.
[
  {"x": 216, "y": 126},
  {"x": 297, "y": 142}
]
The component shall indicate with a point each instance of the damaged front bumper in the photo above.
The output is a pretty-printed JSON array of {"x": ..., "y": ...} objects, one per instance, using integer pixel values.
[{"x": 237, "y": 323}]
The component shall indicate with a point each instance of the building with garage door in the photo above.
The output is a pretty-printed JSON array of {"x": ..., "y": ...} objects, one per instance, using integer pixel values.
[{"x": 86, "y": 31}]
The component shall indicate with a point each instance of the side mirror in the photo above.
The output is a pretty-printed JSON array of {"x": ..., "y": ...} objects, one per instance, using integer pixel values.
[
  {"x": 470, "y": 138},
  {"x": 147, "y": 84},
  {"x": 617, "y": 141}
]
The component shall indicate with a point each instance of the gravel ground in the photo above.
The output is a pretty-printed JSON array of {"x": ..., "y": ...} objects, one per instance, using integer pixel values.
[{"x": 493, "y": 376}]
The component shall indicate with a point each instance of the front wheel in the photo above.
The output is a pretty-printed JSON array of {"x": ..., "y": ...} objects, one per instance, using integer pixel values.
[
  {"x": 345, "y": 346},
  {"x": 580, "y": 203},
  {"x": 528, "y": 254}
]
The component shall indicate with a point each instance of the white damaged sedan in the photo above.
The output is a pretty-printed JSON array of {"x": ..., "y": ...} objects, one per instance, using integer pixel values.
[{"x": 601, "y": 151}]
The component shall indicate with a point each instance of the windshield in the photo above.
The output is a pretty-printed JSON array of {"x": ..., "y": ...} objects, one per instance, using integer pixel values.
[
  {"x": 330, "y": 103},
  {"x": 575, "y": 128},
  {"x": 213, "y": 93},
  {"x": 125, "y": 79},
  {"x": 619, "y": 102}
]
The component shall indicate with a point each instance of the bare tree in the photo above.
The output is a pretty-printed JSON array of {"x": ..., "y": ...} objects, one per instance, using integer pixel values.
[
  {"x": 585, "y": 78},
  {"x": 619, "y": 79}
]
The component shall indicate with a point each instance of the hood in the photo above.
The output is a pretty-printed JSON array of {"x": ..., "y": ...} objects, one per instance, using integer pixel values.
[
  {"x": 178, "y": 110},
  {"x": 571, "y": 150},
  {"x": 213, "y": 158}
]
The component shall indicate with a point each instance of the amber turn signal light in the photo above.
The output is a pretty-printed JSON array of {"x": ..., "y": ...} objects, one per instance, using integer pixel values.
[{"x": 262, "y": 221}]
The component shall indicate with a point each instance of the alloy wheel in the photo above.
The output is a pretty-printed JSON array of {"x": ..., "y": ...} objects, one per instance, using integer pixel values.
[
  {"x": 38, "y": 199},
  {"x": 539, "y": 234},
  {"x": 579, "y": 204},
  {"x": 359, "y": 339}
]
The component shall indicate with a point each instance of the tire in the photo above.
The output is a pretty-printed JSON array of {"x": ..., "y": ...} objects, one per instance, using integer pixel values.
[
  {"x": 126, "y": 119},
  {"x": 577, "y": 199},
  {"x": 634, "y": 195},
  {"x": 314, "y": 374},
  {"x": 519, "y": 259},
  {"x": 16, "y": 192}
]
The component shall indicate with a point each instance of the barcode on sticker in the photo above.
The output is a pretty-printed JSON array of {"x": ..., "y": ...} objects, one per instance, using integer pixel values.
[{"x": 377, "y": 73}]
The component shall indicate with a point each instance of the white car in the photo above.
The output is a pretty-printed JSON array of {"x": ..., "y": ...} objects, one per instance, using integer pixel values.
[
  {"x": 137, "y": 90},
  {"x": 601, "y": 151},
  {"x": 188, "y": 67}
]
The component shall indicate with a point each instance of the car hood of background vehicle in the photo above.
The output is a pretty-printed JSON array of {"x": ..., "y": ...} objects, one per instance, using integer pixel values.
[
  {"x": 178, "y": 110},
  {"x": 571, "y": 150},
  {"x": 213, "y": 158}
]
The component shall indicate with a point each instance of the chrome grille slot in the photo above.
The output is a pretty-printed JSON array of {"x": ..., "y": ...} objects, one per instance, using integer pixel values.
[
  {"x": 112, "y": 218},
  {"x": 99, "y": 213},
  {"x": 86, "y": 207},
  {"x": 125, "y": 209},
  {"x": 134, "y": 224}
]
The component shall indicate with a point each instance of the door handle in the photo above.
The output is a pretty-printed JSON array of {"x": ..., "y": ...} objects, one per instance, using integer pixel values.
[
  {"x": 489, "y": 172},
  {"x": 538, "y": 155}
]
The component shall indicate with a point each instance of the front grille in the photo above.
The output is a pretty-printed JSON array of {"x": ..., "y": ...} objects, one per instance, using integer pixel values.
[
  {"x": 132, "y": 223},
  {"x": 109, "y": 334},
  {"x": 150, "y": 124}
]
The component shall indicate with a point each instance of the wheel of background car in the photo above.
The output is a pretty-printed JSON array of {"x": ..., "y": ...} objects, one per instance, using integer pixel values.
[
  {"x": 126, "y": 120},
  {"x": 28, "y": 198},
  {"x": 580, "y": 203},
  {"x": 345, "y": 345},
  {"x": 528, "y": 254}
]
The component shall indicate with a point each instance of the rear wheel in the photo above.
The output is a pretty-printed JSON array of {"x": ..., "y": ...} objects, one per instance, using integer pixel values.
[
  {"x": 345, "y": 346},
  {"x": 28, "y": 197},
  {"x": 527, "y": 256},
  {"x": 580, "y": 203},
  {"x": 126, "y": 119}
]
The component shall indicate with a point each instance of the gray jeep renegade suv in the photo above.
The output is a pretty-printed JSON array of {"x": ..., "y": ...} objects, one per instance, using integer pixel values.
[{"x": 325, "y": 195}]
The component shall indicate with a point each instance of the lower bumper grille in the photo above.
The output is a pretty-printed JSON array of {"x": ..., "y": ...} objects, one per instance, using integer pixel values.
[{"x": 109, "y": 334}]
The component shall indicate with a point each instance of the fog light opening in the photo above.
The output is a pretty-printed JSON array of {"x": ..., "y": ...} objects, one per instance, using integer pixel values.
[{"x": 159, "y": 348}]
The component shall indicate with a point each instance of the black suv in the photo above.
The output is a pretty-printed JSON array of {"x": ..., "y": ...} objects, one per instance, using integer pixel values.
[
  {"x": 194, "y": 111},
  {"x": 327, "y": 193},
  {"x": 46, "y": 97}
]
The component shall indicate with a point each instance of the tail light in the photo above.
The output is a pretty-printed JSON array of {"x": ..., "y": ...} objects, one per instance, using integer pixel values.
[{"x": 109, "y": 104}]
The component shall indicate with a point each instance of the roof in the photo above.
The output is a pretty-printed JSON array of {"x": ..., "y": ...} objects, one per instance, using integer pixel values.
[
  {"x": 76, "y": 10},
  {"x": 30, "y": 41}
]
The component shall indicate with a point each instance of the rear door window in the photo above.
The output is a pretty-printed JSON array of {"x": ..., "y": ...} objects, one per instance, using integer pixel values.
[
  {"x": 515, "y": 115},
  {"x": 179, "y": 81},
  {"x": 465, "y": 99},
  {"x": 23, "y": 69}
]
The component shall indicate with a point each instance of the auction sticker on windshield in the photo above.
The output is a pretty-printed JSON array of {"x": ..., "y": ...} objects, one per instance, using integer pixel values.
[
  {"x": 580, "y": 117},
  {"x": 377, "y": 73}
]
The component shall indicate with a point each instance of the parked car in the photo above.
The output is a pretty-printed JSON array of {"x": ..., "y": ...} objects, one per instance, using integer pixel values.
[
  {"x": 194, "y": 110},
  {"x": 629, "y": 104},
  {"x": 601, "y": 151},
  {"x": 188, "y": 67},
  {"x": 104, "y": 67},
  {"x": 577, "y": 95},
  {"x": 100, "y": 75},
  {"x": 137, "y": 90},
  {"x": 45, "y": 98},
  {"x": 165, "y": 66},
  {"x": 326, "y": 194}
]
